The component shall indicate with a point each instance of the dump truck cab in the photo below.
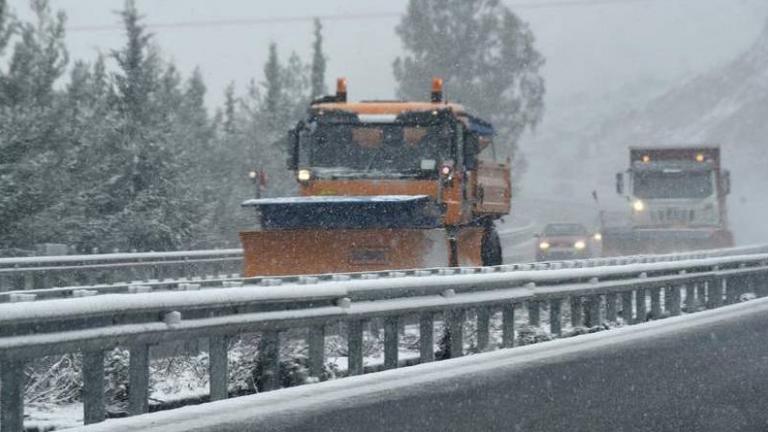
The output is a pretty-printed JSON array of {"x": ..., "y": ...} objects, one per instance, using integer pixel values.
[
  {"x": 676, "y": 198},
  {"x": 394, "y": 166}
]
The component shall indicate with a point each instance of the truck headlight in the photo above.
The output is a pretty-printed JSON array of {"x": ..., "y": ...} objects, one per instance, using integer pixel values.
[
  {"x": 544, "y": 245},
  {"x": 304, "y": 175},
  {"x": 597, "y": 237},
  {"x": 580, "y": 245},
  {"x": 638, "y": 206}
]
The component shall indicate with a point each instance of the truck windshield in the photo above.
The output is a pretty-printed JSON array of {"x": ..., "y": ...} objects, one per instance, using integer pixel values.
[
  {"x": 379, "y": 147},
  {"x": 670, "y": 185}
]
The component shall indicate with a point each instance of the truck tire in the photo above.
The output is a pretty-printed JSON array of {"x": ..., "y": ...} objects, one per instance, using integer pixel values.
[{"x": 491, "y": 247}]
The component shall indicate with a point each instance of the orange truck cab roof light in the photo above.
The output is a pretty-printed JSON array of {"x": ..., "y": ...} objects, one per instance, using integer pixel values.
[{"x": 437, "y": 90}]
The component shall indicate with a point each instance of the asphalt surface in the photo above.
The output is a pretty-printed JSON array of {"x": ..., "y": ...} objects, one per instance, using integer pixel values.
[{"x": 708, "y": 379}]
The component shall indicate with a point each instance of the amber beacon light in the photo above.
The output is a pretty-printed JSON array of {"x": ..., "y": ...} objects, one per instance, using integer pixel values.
[
  {"x": 437, "y": 90},
  {"x": 341, "y": 90}
]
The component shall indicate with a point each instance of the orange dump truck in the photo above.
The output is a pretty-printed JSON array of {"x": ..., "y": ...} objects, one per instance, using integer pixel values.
[{"x": 383, "y": 185}]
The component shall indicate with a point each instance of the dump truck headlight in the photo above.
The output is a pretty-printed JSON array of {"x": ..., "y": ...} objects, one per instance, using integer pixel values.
[
  {"x": 304, "y": 175},
  {"x": 544, "y": 245},
  {"x": 638, "y": 206},
  {"x": 580, "y": 245},
  {"x": 597, "y": 237}
]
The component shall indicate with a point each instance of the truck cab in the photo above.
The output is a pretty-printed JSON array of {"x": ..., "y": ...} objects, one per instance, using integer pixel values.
[
  {"x": 676, "y": 198},
  {"x": 402, "y": 148}
]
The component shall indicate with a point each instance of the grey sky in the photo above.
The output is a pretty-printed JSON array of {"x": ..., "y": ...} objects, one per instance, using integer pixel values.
[{"x": 592, "y": 48}]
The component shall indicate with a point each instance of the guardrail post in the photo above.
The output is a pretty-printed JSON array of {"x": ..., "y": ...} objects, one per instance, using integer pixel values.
[
  {"x": 391, "y": 339},
  {"x": 690, "y": 297},
  {"x": 269, "y": 357},
  {"x": 455, "y": 326},
  {"x": 12, "y": 396},
  {"x": 641, "y": 311},
  {"x": 355, "y": 347},
  {"x": 218, "y": 367},
  {"x": 427, "y": 337},
  {"x": 655, "y": 303},
  {"x": 94, "y": 410},
  {"x": 555, "y": 319},
  {"x": 317, "y": 351},
  {"x": 483, "y": 328},
  {"x": 610, "y": 307},
  {"x": 674, "y": 300},
  {"x": 626, "y": 307},
  {"x": 714, "y": 293},
  {"x": 732, "y": 293},
  {"x": 701, "y": 292},
  {"x": 592, "y": 318},
  {"x": 508, "y": 325},
  {"x": 138, "y": 380},
  {"x": 43, "y": 281},
  {"x": 577, "y": 315},
  {"x": 29, "y": 281},
  {"x": 534, "y": 313}
]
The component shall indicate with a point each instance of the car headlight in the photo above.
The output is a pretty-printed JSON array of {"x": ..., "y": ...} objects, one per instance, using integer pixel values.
[
  {"x": 304, "y": 175},
  {"x": 597, "y": 237},
  {"x": 638, "y": 206},
  {"x": 544, "y": 245},
  {"x": 580, "y": 245}
]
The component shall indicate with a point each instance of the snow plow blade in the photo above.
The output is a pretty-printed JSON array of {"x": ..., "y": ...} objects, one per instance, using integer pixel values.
[
  {"x": 318, "y": 234},
  {"x": 317, "y": 251},
  {"x": 660, "y": 241}
]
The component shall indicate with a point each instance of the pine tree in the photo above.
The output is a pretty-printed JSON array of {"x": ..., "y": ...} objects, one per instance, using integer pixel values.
[
  {"x": 6, "y": 30},
  {"x": 318, "y": 63},
  {"x": 30, "y": 124},
  {"x": 148, "y": 205},
  {"x": 273, "y": 87},
  {"x": 229, "y": 120}
]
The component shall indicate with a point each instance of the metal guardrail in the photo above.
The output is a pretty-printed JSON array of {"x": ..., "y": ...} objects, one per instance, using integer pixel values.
[
  {"x": 702, "y": 372},
  {"x": 153, "y": 268},
  {"x": 593, "y": 290},
  {"x": 30, "y": 273},
  {"x": 204, "y": 280}
]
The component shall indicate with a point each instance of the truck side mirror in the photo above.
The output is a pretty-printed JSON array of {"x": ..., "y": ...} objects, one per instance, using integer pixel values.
[
  {"x": 620, "y": 183},
  {"x": 293, "y": 150},
  {"x": 726, "y": 182}
]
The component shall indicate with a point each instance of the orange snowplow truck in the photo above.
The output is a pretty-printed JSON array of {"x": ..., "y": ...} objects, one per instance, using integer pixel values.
[{"x": 384, "y": 185}]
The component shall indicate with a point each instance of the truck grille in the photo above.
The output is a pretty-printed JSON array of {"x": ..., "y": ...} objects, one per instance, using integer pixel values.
[{"x": 673, "y": 215}]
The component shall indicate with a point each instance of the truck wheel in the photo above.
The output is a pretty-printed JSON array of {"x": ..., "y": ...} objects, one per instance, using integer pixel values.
[{"x": 491, "y": 247}]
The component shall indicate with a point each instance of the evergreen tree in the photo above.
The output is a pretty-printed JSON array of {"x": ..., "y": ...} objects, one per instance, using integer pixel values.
[
  {"x": 6, "y": 29},
  {"x": 486, "y": 55},
  {"x": 273, "y": 88},
  {"x": 148, "y": 208},
  {"x": 318, "y": 63},
  {"x": 130, "y": 158},
  {"x": 30, "y": 120},
  {"x": 229, "y": 119}
]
